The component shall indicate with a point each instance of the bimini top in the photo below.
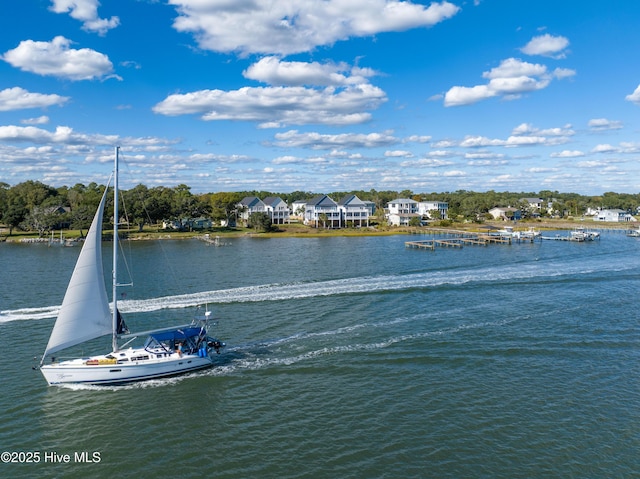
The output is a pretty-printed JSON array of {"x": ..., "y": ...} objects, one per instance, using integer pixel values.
[{"x": 177, "y": 334}]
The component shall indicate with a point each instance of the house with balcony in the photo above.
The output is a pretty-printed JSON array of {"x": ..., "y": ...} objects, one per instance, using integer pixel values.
[
  {"x": 353, "y": 211},
  {"x": 614, "y": 215},
  {"x": 401, "y": 211},
  {"x": 249, "y": 205},
  {"x": 277, "y": 210},
  {"x": 427, "y": 209},
  {"x": 322, "y": 211}
]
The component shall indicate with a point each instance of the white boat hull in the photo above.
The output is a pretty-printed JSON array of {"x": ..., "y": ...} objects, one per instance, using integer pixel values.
[{"x": 77, "y": 371}]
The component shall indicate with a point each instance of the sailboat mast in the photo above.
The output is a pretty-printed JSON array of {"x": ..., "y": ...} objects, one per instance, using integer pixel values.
[{"x": 115, "y": 253}]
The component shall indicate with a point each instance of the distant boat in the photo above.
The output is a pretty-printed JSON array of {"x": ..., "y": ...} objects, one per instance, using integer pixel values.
[
  {"x": 634, "y": 232},
  {"x": 85, "y": 315},
  {"x": 508, "y": 231},
  {"x": 582, "y": 234}
]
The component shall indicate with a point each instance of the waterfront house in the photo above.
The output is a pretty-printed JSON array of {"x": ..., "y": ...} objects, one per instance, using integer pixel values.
[
  {"x": 614, "y": 215},
  {"x": 249, "y": 205},
  {"x": 277, "y": 210},
  {"x": 427, "y": 209},
  {"x": 505, "y": 213},
  {"x": 353, "y": 211},
  {"x": 322, "y": 210},
  {"x": 401, "y": 211},
  {"x": 402, "y": 206},
  {"x": 297, "y": 209}
]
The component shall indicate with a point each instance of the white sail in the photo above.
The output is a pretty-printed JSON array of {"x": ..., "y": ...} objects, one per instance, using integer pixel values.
[{"x": 84, "y": 313}]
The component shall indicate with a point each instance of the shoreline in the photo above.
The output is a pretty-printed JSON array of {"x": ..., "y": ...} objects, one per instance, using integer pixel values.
[{"x": 299, "y": 231}]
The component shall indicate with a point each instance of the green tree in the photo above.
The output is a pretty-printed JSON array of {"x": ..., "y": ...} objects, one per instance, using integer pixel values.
[
  {"x": 224, "y": 206},
  {"x": 323, "y": 218},
  {"x": 14, "y": 213},
  {"x": 260, "y": 221}
]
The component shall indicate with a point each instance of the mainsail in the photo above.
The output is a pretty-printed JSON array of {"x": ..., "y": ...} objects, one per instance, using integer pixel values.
[{"x": 84, "y": 313}]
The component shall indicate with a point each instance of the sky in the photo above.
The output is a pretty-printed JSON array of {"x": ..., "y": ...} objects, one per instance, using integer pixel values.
[{"x": 323, "y": 95}]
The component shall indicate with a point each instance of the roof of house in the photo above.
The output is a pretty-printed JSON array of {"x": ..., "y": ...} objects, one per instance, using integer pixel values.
[
  {"x": 321, "y": 200},
  {"x": 250, "y": 201},
  {"x": 272, "y": 200},
  {"x": 351, "y": 200}
]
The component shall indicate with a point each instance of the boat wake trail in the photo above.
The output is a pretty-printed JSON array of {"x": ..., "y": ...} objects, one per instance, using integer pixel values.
[{"x": 359, "y": 285}]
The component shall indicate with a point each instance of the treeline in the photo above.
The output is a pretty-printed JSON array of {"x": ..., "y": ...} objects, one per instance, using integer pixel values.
[{"x": 34, "y": 206}]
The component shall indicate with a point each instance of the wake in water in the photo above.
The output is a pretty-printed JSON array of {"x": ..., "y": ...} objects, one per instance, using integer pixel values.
[
  {"x": 274, "y": 353},
  {"x": 361, "y": 285}
]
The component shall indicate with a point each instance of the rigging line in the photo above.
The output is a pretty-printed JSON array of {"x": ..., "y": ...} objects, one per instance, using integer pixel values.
[{"x": 126, "y": 257}]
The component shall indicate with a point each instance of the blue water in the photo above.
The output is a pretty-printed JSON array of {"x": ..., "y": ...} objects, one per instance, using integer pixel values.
[{"x": 346, "y": 358}]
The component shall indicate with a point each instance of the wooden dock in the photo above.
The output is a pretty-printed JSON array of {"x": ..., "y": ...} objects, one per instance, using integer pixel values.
[
  {"x": 448, "y": 243},
  {"x": 458, "y": 239}
]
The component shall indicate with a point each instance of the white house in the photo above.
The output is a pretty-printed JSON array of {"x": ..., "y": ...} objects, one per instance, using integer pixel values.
[
  {"x": 401, "y": 211},
  {"x": 297, "y": 208},
  {"x": 425, "y": 208},
  {"x": 353, "y": 211},
  {"x": 322, "y": 209},
  {"x": 505, "y": 213},
  {"x": 277, "y": 210},
  {"x": 614, "y": 215},
  {"x": 249, "y": 205},
  {"x": 402, "y": 206}
]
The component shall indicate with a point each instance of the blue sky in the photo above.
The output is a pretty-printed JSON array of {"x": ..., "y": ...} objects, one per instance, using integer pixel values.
[{"x": 323, "y": 95}]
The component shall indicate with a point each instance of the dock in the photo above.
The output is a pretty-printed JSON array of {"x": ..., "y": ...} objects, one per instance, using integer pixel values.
[
  {"x": 449, "y": 243},
  {"x": 459, "y": 239}
]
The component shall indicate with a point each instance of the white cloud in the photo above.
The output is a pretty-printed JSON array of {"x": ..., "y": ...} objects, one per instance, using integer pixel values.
[
  {"x": 55, "y": 58},
  {"x": 461, "y": 95},
  {"x": 483, "y": 156},
  {"x": 591, "y": 164},
  {"x": 523, "y": 135},
  {"x": 278, "y": 105},
  {"x": 276, "y": 72},
  {"x": 514, "y": 68},
  {"x": 478, "y": 141},
  {"x": 518, "y": 140},
  {"x": 561, "y": 73},
  {"x": 17, "y": 98},
  {"x": 426, "y": 162},
  {"x": 634, "y": 97},
  {"x": 601, "y": 124},
  {"x": 510, "y": 79},
  {"x": 295, "y": 26},
  {"x": 567, "y": 154},
  {"x": 41, "y": 120},
  {"x": 419, "y": 138},
  {"x": 604, "y": 148},
  {"x": 317, "y": 141},
  {"x": 528, "y": 129},
  {"x": 398, "y": 154},
  {"x": 287, "y": 160},
  {"x": 87, "y": 12},
  {"x": 546, "y": 45},
  {"x": 62, "y": 134},
  {"x": 454, "y": 173}
]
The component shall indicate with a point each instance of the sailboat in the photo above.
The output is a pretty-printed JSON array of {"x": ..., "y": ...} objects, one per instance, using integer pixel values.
[{"x": 85, "y": 315}]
